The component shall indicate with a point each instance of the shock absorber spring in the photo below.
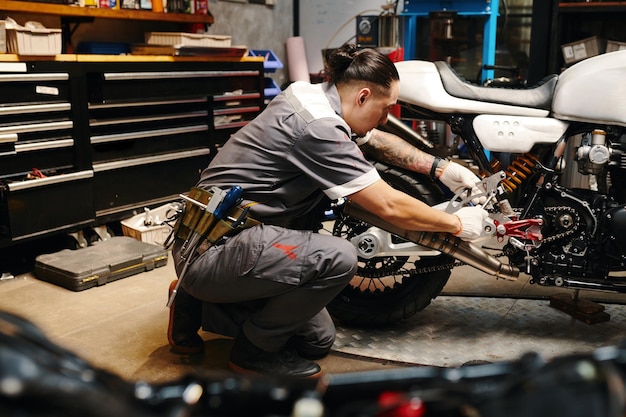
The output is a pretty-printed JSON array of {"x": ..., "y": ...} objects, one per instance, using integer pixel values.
[{"x": 518, "y": 171}]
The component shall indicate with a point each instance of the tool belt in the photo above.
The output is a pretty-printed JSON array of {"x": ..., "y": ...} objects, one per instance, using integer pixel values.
[{"x": 196, "y": 220}]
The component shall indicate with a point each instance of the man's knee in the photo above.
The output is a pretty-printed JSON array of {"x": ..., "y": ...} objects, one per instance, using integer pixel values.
[{"x": 346, "y": 260}]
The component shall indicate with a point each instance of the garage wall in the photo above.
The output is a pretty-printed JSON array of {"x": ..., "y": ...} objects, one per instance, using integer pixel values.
[
  {"x": 329, "y": 24},
  {"x": 256, "y": 25}
]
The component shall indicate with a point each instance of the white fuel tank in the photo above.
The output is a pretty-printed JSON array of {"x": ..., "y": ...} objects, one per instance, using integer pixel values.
[{"x": 593, "y": 90}]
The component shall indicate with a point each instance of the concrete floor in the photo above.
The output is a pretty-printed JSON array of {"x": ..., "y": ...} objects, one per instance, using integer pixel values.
[{"x": 121, "y": 326}]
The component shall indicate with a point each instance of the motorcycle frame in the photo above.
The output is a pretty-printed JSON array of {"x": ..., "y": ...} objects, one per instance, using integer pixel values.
[{"x": 376, "y": 242}]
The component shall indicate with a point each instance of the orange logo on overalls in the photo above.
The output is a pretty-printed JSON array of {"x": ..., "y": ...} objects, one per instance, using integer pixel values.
[{"x": 288, "y": 249}]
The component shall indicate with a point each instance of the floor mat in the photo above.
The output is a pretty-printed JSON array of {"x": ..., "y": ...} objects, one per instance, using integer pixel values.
[{"x": 453, "y": 331}]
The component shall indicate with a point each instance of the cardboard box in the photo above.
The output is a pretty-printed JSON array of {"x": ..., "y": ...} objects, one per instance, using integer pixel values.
[
  {"x": 582, "y": 49},
  {"x": 188, "y": 39},
  {"x": 612, "y": 46},
  {"x": 152, "y": 226}
]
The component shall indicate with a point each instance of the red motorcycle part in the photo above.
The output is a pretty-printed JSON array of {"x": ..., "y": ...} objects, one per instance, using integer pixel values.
[
  {"x": 397, "y": 404},
  {"x": 520, "y": 228}
]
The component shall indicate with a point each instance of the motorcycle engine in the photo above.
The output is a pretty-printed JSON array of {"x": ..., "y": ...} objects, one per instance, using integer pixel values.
[
  {"x": 593, "y": 153},
  {"x": 584, "y": 232},
  {"x": 615, "y": 221},
  {"x": 584, "y": 236}
]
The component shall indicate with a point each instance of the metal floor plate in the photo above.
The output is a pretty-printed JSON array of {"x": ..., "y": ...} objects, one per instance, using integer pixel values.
[{"x": 455, "y": 330}]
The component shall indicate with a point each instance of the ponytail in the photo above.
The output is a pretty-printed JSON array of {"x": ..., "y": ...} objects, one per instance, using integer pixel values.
[{"x": 348, "y": 63}]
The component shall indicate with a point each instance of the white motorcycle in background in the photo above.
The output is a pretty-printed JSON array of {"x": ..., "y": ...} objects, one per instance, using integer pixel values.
[{"x": 559, "y": 233}]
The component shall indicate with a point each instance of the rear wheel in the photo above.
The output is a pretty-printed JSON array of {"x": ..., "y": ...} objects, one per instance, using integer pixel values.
[{"x": 389, "y": 289}]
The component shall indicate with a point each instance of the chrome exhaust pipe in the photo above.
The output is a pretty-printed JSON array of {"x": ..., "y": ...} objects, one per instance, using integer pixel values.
[{"x": 443, "y": 242}]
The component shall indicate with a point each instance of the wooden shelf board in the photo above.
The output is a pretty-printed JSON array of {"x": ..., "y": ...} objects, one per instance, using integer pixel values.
[
  {"x": 124, "y": 14},
  {"x": 159, "y": 58},
  {"x": 124, "y": 58}
]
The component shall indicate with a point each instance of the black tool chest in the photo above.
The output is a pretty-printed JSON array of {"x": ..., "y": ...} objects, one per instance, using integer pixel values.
[{"x": 87, "y": 143}]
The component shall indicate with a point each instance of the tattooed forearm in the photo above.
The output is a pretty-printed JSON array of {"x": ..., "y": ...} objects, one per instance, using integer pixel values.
[{"x": 395, "y": 151}]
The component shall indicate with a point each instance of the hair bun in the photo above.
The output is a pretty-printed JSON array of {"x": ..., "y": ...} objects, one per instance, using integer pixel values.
[{"x": 369, "y": 65}]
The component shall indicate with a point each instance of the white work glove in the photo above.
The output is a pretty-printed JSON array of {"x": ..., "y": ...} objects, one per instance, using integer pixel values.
[
  {"x": 458, "y": 178},
  {"x": 472, "y": 219}
]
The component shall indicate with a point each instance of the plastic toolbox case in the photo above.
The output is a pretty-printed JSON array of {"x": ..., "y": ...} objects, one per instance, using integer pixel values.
[{"x": 105, "y": 261}]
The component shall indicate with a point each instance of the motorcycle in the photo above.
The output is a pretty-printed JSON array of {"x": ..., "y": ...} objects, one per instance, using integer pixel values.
[
  {"x": 43, "y": 379},
  {"x": 568, "y": 128}
]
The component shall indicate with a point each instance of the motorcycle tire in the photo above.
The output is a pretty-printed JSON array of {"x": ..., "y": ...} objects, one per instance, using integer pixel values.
[{"x": 389, "y": 289}]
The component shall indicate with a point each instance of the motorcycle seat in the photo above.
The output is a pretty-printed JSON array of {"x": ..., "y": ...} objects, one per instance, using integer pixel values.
[{"x": 537, "y": 96}]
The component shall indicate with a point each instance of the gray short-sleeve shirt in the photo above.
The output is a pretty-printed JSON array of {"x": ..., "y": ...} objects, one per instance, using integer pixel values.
[{"x": 298, "y": 147}]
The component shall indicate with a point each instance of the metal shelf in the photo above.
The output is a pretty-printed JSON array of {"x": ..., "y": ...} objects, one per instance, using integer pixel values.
[{"x": 591, "y": 6}]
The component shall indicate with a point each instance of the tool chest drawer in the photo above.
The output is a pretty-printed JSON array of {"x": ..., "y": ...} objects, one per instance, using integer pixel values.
[
  {"x": 135, "y": 183},
  {"x": 31, "y": 88},
  {"x": 125, "y": 130},
  {"x": 36, "y": 144},
  {"x": 149, "y": 82},
  {"x": 47, "y": 156},
  {"x": 34, "y": 207}
]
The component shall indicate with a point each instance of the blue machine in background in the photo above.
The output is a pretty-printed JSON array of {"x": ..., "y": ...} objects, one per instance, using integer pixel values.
[{"x": 487, "y": 9}]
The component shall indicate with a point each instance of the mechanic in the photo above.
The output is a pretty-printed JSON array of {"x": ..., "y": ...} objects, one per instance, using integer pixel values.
[{"x": 268, "y": 285}]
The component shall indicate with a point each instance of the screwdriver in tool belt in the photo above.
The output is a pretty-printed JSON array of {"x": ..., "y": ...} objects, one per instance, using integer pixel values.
[
  {"x": 228, "y": 202},
  {"x": 230, "y": 199}
]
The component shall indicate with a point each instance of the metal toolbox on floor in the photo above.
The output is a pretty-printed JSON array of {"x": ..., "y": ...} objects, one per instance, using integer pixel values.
[{"x": 105, "y": 261}]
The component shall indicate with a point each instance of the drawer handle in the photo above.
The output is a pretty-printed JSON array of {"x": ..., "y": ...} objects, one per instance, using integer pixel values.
[
  {"x": 56, "y": 179},
  {"x": 36, "y": 127},
  {"x": 40, "y": 146},
  {"x": 124, "y": 76},
  {"x": 107, "y": 166},
  {"x": 35, "y": 108},
  {"x": 161, "y": 117},
  {"x": 229, "y": 97},
  {"x": 148, "y": 133},
  {"x": 219, "y": 112},
  {"x": 9, "y": 137},
  {"x": 232, "y": 125},
  {"x": 34, "y": 77},
  {"x": 125, "y": 104}
]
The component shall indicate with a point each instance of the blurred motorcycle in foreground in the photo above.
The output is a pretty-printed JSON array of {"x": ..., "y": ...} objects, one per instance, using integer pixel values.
[{"x": 40, "y": 378}]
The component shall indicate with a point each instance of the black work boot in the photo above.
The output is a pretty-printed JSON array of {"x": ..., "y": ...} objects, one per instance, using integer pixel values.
[
  {"x": 247, "y": 358},
  {"x": 185, "y": 321}
]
